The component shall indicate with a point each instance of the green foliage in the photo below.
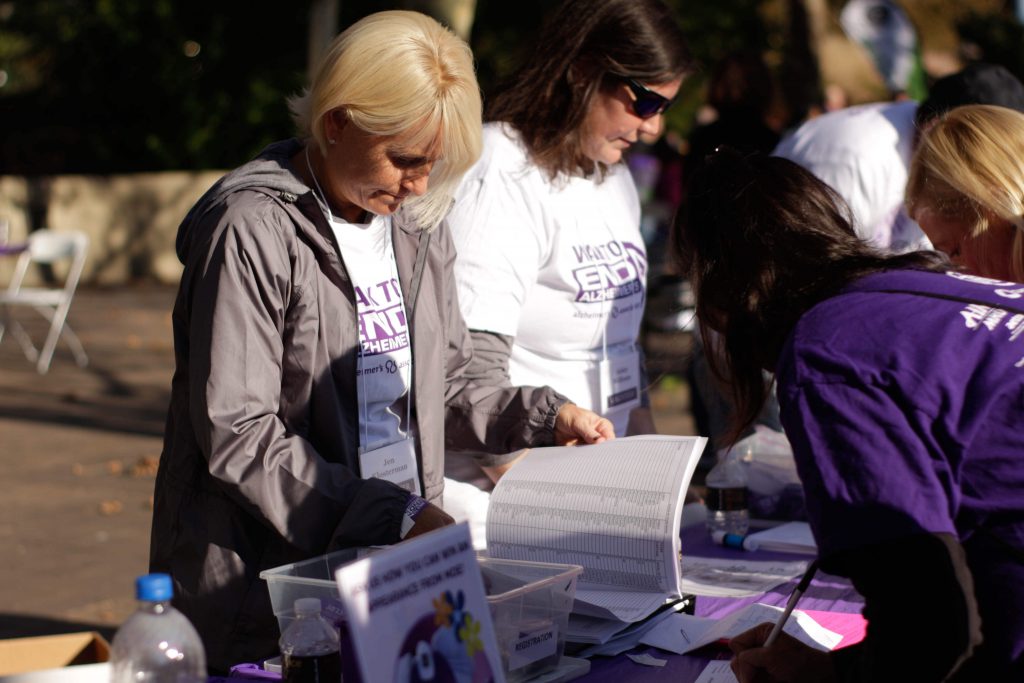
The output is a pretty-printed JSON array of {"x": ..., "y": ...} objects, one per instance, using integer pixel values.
[
  {"x": 110, "y": 85},
  {"x": 714, "y": 30}
]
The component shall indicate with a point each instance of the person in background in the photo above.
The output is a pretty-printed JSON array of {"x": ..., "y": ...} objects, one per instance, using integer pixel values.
[
  {"x": 552, "y": 267},
  {"x": 321, "y": 358},
  {"x": 895, "y": 374},
  {"x": 966, "y": 189},
  {"x": 741, "y": 93},
  {"x": 864, "y": 152}
]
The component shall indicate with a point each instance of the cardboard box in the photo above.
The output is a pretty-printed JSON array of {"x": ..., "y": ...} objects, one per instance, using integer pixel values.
[{"x": 67, "y": 658}]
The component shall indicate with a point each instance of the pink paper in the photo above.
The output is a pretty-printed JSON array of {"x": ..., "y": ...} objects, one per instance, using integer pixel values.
[{"x": 851, "y": 627}]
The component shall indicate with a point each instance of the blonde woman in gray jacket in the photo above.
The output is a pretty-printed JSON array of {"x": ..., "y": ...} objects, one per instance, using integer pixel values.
[{"x": 321, "y": 355}]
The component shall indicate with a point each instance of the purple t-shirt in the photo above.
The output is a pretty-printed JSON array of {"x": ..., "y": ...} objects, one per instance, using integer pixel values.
[{"x": 906, "y": 415}]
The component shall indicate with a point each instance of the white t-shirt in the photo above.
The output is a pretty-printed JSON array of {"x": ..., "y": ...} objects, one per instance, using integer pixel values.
[
  {"x": 560, "y": 266},
  {"x": 385, "y": 364},
  {"x": 864, "y": 153}
]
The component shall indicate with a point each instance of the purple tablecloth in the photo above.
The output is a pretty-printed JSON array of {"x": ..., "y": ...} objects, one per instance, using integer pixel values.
[{"x": 826, "y": 594}]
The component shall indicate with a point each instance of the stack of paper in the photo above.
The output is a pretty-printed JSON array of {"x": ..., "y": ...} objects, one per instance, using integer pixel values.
[
  {"x": 609, "y": 638},
  {"x": 793, "y": 537},
  {"x": 613, "y": 508}
]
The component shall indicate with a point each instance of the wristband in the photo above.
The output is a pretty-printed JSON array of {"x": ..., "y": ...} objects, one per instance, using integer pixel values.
[{"x": 413, "y": 508}]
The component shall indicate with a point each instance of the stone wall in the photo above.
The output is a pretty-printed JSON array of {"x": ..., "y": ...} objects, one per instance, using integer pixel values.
[{"x": 131, "y": 219}]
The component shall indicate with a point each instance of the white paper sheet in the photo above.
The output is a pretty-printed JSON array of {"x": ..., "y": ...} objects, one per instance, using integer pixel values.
[
  {"x": 648, "y": 660},
  {"x": 682, "y": 633},
  {"x": 736, "y": 578},
  {"x": 626, "y": 606},
  {"x": 717, "y": 671},
  {"x": 792, "y": 537}
]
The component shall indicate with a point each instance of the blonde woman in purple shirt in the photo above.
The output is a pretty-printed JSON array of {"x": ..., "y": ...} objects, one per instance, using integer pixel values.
[{"x": 901, "y": 388}]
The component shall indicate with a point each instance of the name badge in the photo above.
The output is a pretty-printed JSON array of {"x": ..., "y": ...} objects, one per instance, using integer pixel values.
[
  {"x": 395, "y": 462},
  {"x": 620, "y": 382}
]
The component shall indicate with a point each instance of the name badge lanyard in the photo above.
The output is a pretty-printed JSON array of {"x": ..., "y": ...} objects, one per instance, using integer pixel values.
[
  {"x": 364, "y": 403},
  {"x": 619, "y": 377},
  {"x": 395, "y": 462}
]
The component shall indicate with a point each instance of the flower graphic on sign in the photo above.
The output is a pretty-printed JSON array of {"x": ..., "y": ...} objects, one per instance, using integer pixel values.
[
  {"x": 470, "y": 635},
  {"x": 442, "y": 611}
]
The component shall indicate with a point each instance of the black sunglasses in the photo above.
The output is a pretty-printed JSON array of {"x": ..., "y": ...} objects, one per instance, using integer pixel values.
[{"x": 646, "y": 102}]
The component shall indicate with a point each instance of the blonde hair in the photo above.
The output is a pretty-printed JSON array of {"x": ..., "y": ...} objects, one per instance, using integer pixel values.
[
  {"x": 401, "y": 72},
  {"x": 970, "y": 164}
]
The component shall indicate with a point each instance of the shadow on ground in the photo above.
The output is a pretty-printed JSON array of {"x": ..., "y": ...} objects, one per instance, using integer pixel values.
[{"x": 25, "y": 625}]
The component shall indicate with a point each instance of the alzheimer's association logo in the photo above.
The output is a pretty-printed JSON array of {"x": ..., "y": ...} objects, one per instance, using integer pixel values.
[
  {"x": 608, "y": 271},
  {"x": 382, "y": 324}
]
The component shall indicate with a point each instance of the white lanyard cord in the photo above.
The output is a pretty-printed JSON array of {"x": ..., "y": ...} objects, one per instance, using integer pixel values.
[
  {"x": 364, "y": 406},
  {"x": 611, "y": 301}
]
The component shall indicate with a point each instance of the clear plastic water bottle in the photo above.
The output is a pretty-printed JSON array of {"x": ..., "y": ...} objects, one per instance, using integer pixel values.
[
  {"x": 310, "y": 646},
  {"x": 726, "y": 499},
  {"x": 157, "y": 643}
]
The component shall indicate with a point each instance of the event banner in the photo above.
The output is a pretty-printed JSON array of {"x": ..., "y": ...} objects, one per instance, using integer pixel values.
[{"x": 417, "y": 611}]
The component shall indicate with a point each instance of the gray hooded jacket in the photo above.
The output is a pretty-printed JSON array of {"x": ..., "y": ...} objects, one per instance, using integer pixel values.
[{"x": 260, "y": 465}]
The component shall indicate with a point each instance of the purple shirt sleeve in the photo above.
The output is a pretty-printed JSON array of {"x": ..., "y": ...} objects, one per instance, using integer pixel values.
[{"x": 866, "y": 468}]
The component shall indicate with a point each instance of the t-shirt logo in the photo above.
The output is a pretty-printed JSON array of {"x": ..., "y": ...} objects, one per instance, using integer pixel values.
[
  {"x": 382, "y": 324},
  {"x": 608, "y": 271}
]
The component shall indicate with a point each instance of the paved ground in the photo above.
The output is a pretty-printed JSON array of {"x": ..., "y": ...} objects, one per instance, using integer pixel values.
[{"x": 79, "y": 450}]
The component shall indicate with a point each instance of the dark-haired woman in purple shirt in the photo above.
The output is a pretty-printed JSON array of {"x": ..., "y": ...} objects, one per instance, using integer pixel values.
[{"x": 901, "y": 388}]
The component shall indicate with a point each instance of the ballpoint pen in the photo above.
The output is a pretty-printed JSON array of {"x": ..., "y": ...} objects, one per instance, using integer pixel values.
[{"x": 797, "y": 592}]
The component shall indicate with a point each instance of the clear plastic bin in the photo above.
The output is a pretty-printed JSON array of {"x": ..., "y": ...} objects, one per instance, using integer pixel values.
[
  {"x": 530, "y": 604},
  {"x": 309, "y": 579}
]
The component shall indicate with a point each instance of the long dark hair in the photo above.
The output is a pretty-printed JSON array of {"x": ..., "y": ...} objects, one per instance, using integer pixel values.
[
  {"x": 763, "y": 241},
  {"x": 583, "y": 46}
]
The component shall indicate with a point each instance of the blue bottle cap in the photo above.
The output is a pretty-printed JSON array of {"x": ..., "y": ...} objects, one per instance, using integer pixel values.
[{"x": 154, "y": 587}]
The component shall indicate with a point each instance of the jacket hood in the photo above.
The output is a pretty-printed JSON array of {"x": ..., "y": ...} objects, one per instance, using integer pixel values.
[{"x": 270, "y": 170}]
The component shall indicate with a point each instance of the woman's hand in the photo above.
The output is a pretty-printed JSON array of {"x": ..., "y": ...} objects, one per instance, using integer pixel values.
[
  {"x": 787, "y": 660},
  {"x": 575, "y": 425}
]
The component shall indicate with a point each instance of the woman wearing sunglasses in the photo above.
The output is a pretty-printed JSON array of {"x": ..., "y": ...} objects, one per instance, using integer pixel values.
[{"x": 551, "y": 267}]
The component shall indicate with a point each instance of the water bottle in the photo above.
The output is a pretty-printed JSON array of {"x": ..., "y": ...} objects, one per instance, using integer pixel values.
[
  {"x": 310, "y": 646},
  {"x": 157, "y": 643},
  {"x": 726, "y": 499}
]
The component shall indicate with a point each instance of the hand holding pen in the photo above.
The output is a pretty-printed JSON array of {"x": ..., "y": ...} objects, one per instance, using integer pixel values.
[
  {"x": 767, "y": 649},
  {"x": 800, "y": 589}
]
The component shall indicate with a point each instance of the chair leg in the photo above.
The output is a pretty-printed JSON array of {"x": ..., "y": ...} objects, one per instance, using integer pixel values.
[
  {"x": 24, "y": 341},
  {"x": 77, "y": 350},
  {"x": 56, "y": 318}
]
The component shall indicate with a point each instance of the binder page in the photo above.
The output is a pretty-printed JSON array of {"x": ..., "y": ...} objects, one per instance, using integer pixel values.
[{"x": 614, "y": 508}]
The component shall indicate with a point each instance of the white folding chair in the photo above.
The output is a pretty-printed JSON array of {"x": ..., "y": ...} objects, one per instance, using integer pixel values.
[{"x": 53, "y": 303}]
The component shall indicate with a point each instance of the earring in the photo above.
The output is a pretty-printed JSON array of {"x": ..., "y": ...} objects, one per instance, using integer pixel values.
[{"x": 332, "y": 141}]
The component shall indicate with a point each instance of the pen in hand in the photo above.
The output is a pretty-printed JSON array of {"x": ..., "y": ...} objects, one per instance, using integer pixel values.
[{"x": 797, "y": 592}]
